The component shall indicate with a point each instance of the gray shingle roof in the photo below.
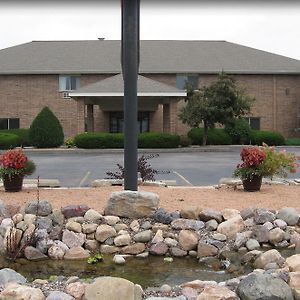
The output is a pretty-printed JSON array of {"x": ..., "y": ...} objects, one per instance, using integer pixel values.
[
  {"x": 114, "y": 85},
  {"x": 58, "y": 57}
]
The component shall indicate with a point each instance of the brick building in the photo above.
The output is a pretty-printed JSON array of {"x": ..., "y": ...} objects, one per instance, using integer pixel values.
[{"x": 81, "y": 82}]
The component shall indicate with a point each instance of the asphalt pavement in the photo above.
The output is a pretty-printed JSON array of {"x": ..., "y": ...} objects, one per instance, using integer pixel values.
[{"x": 197, "y": 167}]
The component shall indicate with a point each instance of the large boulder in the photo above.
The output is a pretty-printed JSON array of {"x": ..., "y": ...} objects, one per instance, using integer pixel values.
[
  {"x": 289, "y": 215},
  {"x": 113, "y": 288},
  {"x": 9, "y": 275},
  {"x": 14, "y": 291},
  {"x": 264, "y": 287},
  {"x": 294, "y": 283},
  {"x": 132, "y": 204},
  {"x": 231, "y": 227}
]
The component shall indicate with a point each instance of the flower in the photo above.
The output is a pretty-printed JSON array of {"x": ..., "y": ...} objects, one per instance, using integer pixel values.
[
  {"x": 265, "y": 161},
  {"x": 15, "y": 163}
]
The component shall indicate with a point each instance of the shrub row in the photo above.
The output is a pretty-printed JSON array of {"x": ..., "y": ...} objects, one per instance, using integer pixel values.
[
  {"x": 218, "y": 136},
  {"x": 21, "y": 133},
  {"x": 8, "y": 140},
  {"x": 95, "y": 140}
]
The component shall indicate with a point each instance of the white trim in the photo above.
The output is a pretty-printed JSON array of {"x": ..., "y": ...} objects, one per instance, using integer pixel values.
[{"x": 142, "y": 94}]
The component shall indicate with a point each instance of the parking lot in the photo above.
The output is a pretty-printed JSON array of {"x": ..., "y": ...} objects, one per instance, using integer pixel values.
[{"x": 196, "y": 168}]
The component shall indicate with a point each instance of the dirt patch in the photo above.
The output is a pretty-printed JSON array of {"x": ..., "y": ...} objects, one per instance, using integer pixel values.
[{"x": 171, "y": 199}]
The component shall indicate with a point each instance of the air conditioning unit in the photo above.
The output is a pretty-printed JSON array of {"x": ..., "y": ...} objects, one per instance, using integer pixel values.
[{"x": 66, "y": 95}]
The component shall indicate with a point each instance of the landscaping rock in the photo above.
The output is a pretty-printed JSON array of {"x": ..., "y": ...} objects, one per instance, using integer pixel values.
[
  {"x": 91, "y": 245},
  {"x": 177, "y": 252},
  {"x": 8, "y": 275},
  {"x": 76, "y": 253},
  {"x": 229, "y": 213},
  {"x": 107, "y": 249},
  {"x": 56, "y": 295},
  {"x": 34, "y": 254},
  {"x": 134, "y": 226},
  {"x": 289, "y": 214},
  {"x": 231, "y": 227},
  {"x": 217, "y": 293},
  {"x": 252, "y": 244},
  {"x": 261, "y": 234},
  {"x": 159, "y": 249},
  {"x": 210, "y": 214},
  {"x": 294, "y": 283},
  {"x": 205, "y": 249},
  {"x": 264, "y": 286},
  {"x": 191, "y": 212},
  {"x": 167, "y": 298},
  {"x": 262, "y": 215},
  {"x": 158, "y": 237},
  {"x": 74, "y": 226},
  {"x": 276, "y": 235},
  {"x": 104, "y": 232},
  {"x": 44, "y": 208},
  {"x": 44, "y": 223},
  {"x": 29, "y": 219},
  {"x": 162, "y": 216},
  {"x": 143, "y": 236},
  {"x": 132, "y": 204},
  {"x": 55, "y": 252},
  {"x": 57, "y": 217},
  {"x": 134, "y": 248},
  {"x": 270, "y": 256},
  {"x": 76, "y": 289},
  {"x": 72, "y": 239},
  {"x": 71, "y": 211},
  {"x": 293, "y": 262},
  {"x": 280, "y": 223},
  {"x": 113, "y": 288},
  {"x": 242, "y": 238},
  {"x": 92, "y": 216},
  {"x": 111, "y": 220},
  {"x": 247, "y": 213},
  {"x": 219, "y": 237},
  {"x": 89, "y": 228},
  {"x": 14, "y": 291},
  {"x": 188, "y": 239},
  {"x": 122, "y": 240},
  {"x": 187, "y": 224},
  {"x": 119, "y": 260},
  {"x": 211, "y": 225},
  {"x": 171, "y": 242}
]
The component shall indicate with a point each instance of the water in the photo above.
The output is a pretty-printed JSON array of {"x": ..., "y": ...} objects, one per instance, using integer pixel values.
[{"x": 152, "y": 271}]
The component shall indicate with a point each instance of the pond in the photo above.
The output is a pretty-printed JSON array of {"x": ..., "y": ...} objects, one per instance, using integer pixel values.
[{"x": 148, "y": 272}]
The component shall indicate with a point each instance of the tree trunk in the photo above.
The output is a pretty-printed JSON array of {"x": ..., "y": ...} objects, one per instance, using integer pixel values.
[{"x": 204, "y": 141}]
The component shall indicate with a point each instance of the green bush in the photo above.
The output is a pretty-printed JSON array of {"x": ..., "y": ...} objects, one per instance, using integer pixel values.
[
  {"x": 22, "y": 133},
  {"x": 158, "y": 140},
  {"x": 293, "y": 141},
  {"x": 46, "y": 130},
  {"x": 185, "y": 141},
  {"x": 8, "y": 140},
  {"x": 271, "y": 138},
  {"x": 216, "y": 136},
  {"x": 239, "y": 131},
  {"x": 96, "y": 140}
]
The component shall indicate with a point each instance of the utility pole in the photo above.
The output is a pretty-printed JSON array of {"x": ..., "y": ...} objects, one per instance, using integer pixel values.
[{"x": 130, "y": 65}]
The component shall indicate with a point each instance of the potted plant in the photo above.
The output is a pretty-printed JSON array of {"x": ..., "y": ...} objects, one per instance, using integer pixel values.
[
  {"x": 263, "y": 161},
  {"x": 14, "y": 166}
]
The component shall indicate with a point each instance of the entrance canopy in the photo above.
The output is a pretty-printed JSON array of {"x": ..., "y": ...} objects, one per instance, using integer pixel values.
[{"x": 114, "y": 87}]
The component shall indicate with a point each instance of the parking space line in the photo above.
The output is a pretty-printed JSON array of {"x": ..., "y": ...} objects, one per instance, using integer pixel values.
[
  {"x": 182, "y": 177},
  {"x": 88, "y": 173}
]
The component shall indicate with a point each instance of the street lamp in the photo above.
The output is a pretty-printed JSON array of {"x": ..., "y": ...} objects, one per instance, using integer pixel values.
[{"x": 130, "y": 65}]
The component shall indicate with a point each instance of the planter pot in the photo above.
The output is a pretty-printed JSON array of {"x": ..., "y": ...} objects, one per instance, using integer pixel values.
[
  {"x": 252, "y": 185},
  {"x": 13, "y": 183}
]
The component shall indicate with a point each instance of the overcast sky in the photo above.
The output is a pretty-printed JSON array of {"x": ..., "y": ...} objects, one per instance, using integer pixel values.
[{"x": 273, "y": 26}]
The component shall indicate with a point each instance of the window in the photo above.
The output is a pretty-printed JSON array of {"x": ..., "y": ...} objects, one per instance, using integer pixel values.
[
  {"x": 253, "y": 122},
  {"x": 12, "y": 123},
  {"x": 182, "y": 79},
  {"x": 68, "y": 83},
  {"x": 116, "y": 122}
]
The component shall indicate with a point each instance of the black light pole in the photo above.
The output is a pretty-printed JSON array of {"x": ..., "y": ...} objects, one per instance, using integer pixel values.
[{"x": 130, "y": 64}]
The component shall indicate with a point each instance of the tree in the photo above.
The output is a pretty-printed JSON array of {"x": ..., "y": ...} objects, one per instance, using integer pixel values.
[
  {"x": 221, "y": 102},
  {"x": 45, "y": 130}
]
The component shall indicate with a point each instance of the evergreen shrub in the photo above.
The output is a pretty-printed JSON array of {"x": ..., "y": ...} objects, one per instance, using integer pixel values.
[
  {"x": 271, "y": 138},
  {"x": 46, "y": 131}
]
